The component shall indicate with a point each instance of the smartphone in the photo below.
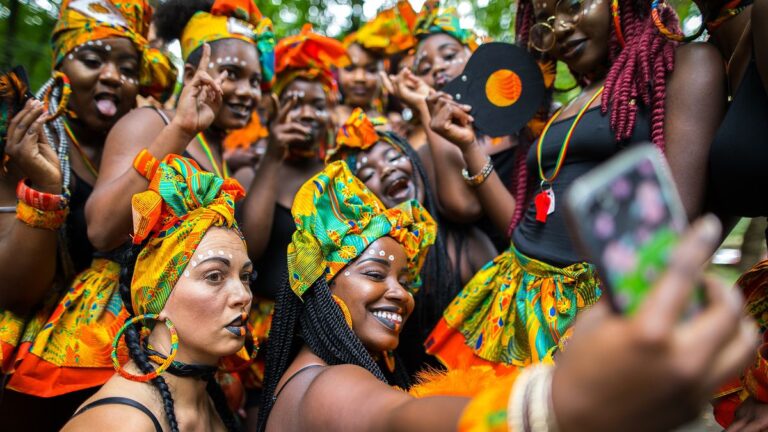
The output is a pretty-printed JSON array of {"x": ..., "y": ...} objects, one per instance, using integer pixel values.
[{"x": 626, "y": 217}]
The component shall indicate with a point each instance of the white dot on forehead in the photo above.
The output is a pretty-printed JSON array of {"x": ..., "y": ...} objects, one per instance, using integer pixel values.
[
  {"x": 364, "y": 160},
  {"x": 186, "y": 273},
  {"x": 201, "y": 256},
  {"x": 108, "y": 47},
  {"x": 210, "y": 252},
  {"x": 221, "y": 252},
  {"x": 382, "y": 253},
  {"x": 242, "y": 62},
  {"x": 391, "y": 257},
  {"x": 230, "y": 256},
  {"x": 194, "y": 263},
  {"x": 346, "y": 273},
  {"x": 98, "y": 43},
  {"x": 371, "y": 251},
  {"x": 71, "y": 56}
]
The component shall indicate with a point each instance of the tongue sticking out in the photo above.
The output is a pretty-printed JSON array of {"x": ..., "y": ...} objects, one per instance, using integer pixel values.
[{"x": 106, "y": 107}]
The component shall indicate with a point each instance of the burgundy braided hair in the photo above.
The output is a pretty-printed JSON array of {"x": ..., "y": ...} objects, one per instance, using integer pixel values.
[{"x": 637, "y": 75}]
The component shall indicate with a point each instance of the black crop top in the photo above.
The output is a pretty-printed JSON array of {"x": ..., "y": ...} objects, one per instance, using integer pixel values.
[
  {"x": 738, "y": 158},
  {"x": 79, "y": 247},
  {"x": 593, "y": 142},
  {"x": 273, "y": 265}
]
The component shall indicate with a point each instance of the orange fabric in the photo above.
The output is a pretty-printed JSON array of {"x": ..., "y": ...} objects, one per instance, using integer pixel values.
[{"x": 456, "y": 354}]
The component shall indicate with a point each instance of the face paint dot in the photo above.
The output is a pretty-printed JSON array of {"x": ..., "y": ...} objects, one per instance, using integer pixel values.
[
  {"x": 108, "y": 47},
  {"x": 186, "y": 273},
  {"x": 194, "y": 263},
  {"x": 221, "y": 252},
  {"x": 346, "y": 273},
  {"x": 71, "y": 57},
  {"x": 210, "y": 252},
  {"x": 98, "y": 43},
  {"x": 382, "y": 253},
  {"x": 391, "y": 257},
  {"x": 230, "y": 256},
  {"x": 201, "y": 256},
  {"x": 218, "y": 60},
  {"x": 242, "y": 62},
  {"x": 371, "y": 252},
  {"x": 210, "y": 65}
]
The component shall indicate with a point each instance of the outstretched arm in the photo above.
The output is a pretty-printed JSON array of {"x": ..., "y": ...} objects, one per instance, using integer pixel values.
[{"x": 108, "y": 210}]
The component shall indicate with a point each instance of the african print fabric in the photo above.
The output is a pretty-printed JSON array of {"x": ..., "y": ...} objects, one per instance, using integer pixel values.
[
  {"x": 68, "y": 349},
  {"x": 233, "y": 19},
  {"x": 307, "y": 55},
  {"x": 515, "y": 311},
  {"x": 434, "y": 20},
  {"x": 389, "y": 33},
  {"x": 337, "y": 217},
  {"x": 87, "y": 21}
]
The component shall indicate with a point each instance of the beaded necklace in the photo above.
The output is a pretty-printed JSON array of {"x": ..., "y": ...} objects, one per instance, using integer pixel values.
[
  {"x": 545, "y": 200},
  {"x": 222, "y": 172},
  {"x": 89, "y": 165}
]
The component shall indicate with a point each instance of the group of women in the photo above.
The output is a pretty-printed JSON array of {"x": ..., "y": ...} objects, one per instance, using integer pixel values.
[{"x": 371, "y": 263}]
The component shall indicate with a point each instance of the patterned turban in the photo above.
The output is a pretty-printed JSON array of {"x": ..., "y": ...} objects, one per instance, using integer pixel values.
[
  {"x": 358, "y": 133},
  {"x": 433, "y": 20},
  {"x": 182, "y": 203},
  {"x": 233, "y": 19},
  {"x": 307, "y": 55},
  {"x": 84, "y": 21},
  {"x": 337, "y": 218},
  {"x": 390, "y": 32}
]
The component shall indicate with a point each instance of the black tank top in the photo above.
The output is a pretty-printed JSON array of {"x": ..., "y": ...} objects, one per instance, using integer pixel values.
[
  {"x": 504, "y": 165},
  {"x": 738, "y": 158},
  {"x": 273, "y": 265},
  {"x": 593, "y": 142},
  {"x": 79, "y": 247}
]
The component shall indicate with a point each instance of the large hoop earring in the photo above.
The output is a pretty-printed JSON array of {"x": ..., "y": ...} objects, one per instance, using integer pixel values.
[
  {"x": 162, "y": 367},
  {"x": 669, "y": 34},
  {"x": 66, "y": 90},
  {"x": 344, "y": 309}
]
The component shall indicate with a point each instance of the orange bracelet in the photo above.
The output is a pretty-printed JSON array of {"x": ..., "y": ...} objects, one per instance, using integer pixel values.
[
  {"x": 40, "y": 200},
  {"x": 146, "y": 164},
  {"x": 36, "y": 218}
]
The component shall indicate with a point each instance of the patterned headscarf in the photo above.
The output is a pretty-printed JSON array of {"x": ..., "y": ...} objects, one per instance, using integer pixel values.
[
  {"x": 337, "y": 218},
  {"x": 233, "y": 19},
  {"x": 358, "y": 133},
  {"x": 179, "y": 207},
  {"x": 433, "y": 20},
  {"x": 307, "y": 55},
  {"x": 84, "y": 21},
  {"x": 390, "y": 32}
]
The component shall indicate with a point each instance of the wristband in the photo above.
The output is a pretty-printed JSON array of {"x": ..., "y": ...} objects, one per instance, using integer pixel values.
[
  {"x": 36, "y": 218},
  {"x": 146, "y": 164},
  {"x": 479, "y": 178},
  {"x": 40, "y": 200}
]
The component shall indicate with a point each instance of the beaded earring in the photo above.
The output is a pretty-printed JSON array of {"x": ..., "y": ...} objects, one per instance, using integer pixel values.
[{"x": 163, "y": 366}]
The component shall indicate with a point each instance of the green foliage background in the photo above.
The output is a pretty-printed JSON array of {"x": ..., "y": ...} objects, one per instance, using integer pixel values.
[{"x": 25, "y": 26}]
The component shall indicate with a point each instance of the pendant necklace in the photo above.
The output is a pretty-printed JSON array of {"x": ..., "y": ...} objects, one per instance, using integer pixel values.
[{"x": 545, "y": 199}]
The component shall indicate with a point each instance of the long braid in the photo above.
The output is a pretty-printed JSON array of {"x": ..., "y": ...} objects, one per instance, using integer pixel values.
[
  {"x": 320, "y": 325},
  {"x": 520, "y": 184},
  {"x": 133, "y": 340}
]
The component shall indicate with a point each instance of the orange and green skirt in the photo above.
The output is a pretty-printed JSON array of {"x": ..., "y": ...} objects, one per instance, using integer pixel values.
[
  {"x": 66, "y": 346},
  {"x": 514, "y": 312}
]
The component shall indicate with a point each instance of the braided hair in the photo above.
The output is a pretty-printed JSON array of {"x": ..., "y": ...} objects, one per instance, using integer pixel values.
[
  {"x": 638, "y": 70},
  {"x": 173, "y": 15},
  {"x": 317, "y": 321},
  {"x": 137, "y": 353}
]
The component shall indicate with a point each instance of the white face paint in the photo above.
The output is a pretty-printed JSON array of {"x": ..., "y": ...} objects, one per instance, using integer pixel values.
[
  {"x": 194, "y": 263},
  {"x": 346, "y": 273},
  {"x": 221, "y": 252},
  {"x": 382, "y": 253},
  {"x": 391, "y": 257},
  {"x": 371, "y": 251},
  {"x": 186, "y": 273}
]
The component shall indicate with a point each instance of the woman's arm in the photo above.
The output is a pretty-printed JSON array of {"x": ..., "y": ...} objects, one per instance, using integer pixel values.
[
  {"x": 28, "y": 254},
  {"x": 108, "y": 210},
  {"x": 453, "y": 122},
  {"x": 695, "y": 106}
]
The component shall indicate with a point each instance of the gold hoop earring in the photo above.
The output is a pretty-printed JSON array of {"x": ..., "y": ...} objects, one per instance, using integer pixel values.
[{"x": 344, "y": 309}]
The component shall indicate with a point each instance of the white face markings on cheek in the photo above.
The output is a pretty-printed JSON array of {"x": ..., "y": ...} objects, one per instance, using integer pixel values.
[
  {"x": 71, "y": 56},
  {"x": 108, "y": 47},
  {"x": 391, "y": 257},
  {"x": 346, "y": 273},
  {"x": 364, "y": 160}
]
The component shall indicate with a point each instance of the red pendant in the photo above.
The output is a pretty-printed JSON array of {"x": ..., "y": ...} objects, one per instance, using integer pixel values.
[{"x": 542, "y": 203}]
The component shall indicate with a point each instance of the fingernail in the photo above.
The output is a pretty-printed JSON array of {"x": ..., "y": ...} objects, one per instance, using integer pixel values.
[{"x": 709, "y": 228}]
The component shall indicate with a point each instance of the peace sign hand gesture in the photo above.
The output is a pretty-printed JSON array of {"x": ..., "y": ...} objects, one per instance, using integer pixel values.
[{"x": 201, "y": 98}]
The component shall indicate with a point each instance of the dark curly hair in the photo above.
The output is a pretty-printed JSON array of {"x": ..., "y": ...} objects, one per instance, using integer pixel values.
[
  {"x": 137, "y": 352},
  {"x": 172, "y": 16}
]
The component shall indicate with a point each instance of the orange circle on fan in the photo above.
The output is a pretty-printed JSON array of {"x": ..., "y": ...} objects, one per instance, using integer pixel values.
[{"x": 503, "y": 88}]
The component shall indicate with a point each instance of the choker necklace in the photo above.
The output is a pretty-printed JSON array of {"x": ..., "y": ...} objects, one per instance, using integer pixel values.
[
  {"x": 545, "y": 200},
  {"x": 180, "y": 369}
]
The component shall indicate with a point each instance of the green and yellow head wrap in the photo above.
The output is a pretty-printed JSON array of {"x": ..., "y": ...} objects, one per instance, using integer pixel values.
[
  {"x": 433, "y": 20},
  {"x": 337, "y": 217},
  {"x": 84, "y": 21},
  {"x": 182, "y": 203},
  {"x": 233, "y": 19}
]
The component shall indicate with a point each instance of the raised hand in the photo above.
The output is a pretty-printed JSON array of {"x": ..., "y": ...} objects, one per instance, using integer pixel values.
[
  {"x": 408, "y": 88},
  {"x": 655, "y": 370},
  {"x": 284, "y": 131},
  {"x": 201, "y": 98},
  {"x": 451, "y": 120},
  {"x": 29, "y": 150}
]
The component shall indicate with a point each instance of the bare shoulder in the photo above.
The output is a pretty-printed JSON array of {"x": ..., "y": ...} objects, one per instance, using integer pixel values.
[
  {"x": 117, "y": 416},
  {"x": 136, "y": 127},
  {"x": 702, "y": 57}
]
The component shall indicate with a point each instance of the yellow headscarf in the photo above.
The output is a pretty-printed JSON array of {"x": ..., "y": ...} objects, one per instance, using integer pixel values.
[
  {"x": 85, "y": 21},
  {"x": 182, "y": 203},
  {"x": 390, "y": 32}
]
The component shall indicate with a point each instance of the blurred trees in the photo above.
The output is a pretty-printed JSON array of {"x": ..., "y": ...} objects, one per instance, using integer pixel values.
[{"x": 25, "y": 25}]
